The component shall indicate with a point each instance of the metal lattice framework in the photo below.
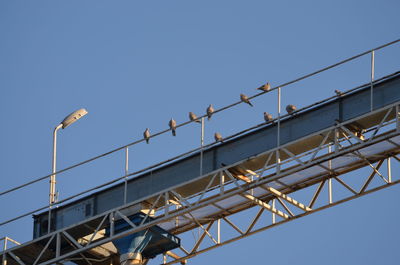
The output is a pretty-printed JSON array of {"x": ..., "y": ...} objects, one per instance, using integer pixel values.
[{"x": 233, "y": 189}]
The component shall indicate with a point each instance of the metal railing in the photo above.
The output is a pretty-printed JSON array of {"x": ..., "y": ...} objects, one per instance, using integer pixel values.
[{"x": 200, "y": 149}]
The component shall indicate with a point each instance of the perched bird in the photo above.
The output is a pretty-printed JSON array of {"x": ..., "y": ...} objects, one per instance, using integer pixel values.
[
  {"x": 218, "y": 137},
  {"x": 245, "y": 99},
  {"x": 210, "y": 111},
  {"x": 146, "y": 135},
  {"x": 338, "y": 93},
  {"x": 267, "y": 117},
  {"x": 290, "y": 108},
  {"x": 193, "y": 117},
  {"x": 265, "y": 87},
  {"x": 172, "y": 126}
]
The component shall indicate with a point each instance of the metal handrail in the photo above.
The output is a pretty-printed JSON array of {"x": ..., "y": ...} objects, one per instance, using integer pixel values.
[
  {"x": 197, "y": 149},
  {"x": 185, "y": 123}
]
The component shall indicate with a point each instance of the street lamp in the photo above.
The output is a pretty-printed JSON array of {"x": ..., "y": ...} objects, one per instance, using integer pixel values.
[{"x": 73, "y": 117}]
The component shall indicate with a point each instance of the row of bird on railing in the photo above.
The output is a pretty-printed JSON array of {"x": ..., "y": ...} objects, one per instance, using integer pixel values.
[{"x": 210, "y": 111}]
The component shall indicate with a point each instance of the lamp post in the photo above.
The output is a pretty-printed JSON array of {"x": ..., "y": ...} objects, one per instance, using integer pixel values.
[{"x": 73, "y": 117}]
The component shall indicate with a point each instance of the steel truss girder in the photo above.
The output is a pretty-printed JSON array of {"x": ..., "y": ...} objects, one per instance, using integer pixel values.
[
  {"x": 250, "y": 231},
  {"x": 189, "y": 205}
]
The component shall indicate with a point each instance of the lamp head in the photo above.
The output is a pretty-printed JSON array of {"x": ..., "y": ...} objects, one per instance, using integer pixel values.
[{"x": 73, "y": 117}]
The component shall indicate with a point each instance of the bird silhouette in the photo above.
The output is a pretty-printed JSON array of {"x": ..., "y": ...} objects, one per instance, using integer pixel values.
[
  {"x": 265, "y": 87},
  {"x": 210, "y": 111},
  {"x": 290, "y": 108},
  {"x": 338, "y": 93},
  {"x": 172, "y": 126},
  {"x": 193, "y": 117},
  {"x": 267, "y": 117},
  {"x": 218, "y": 137},
  {"x": 146, "y": 135},
  {"x": 245, "y": 99}
]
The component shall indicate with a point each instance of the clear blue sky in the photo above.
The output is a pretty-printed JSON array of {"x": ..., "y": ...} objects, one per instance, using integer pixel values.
[{"x": 136, "y": 64}]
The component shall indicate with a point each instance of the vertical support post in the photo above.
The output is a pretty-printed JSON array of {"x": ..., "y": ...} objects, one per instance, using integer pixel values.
[
  {"x": 372, "y": 78},
  {"x": 126, "y": 174},
  {"x": 336, "y": 139},
  {"x": 111, "y": 219},
  {"x": 389, "y": 169},
  {"x": 219, "y": 231},
  {"x": 273, "y": 214},
  {"x": 177, "y": 217},
  {"x": 166, "y": 196},
  {"x": 58, "y": 245},
  {"x": 397, "y": 118},
  {"x": 252, "y": 190},
  {"x": 330, "y": 190},
  {"x": 278, "y": 134},
  {"x": 49, "y": 220},
  {"x": 164, "y": 258},
  {"x": 221, "y": 182},
  {"x": 201, "y": 145},
  {"x": 4, "y": 260},
  {"x": 330, "y": 179}
]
